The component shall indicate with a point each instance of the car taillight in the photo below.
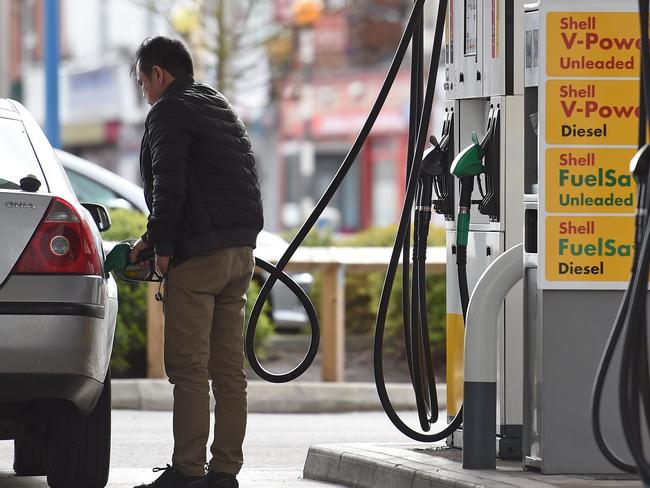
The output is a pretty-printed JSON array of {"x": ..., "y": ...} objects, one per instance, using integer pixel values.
[{"x": 62, "y": 244}]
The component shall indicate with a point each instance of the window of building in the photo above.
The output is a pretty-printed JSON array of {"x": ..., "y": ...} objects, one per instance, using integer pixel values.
[
  {"x": 385, "y": 180},
  {"x": 347, "y": 200}
]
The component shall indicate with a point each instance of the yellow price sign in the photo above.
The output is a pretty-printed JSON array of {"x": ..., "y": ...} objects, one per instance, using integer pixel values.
[
  {"x": 592, "y": 112},
  {"x": 593, "y": 248},
  {"x": 593, "y": 180},
  {"x": 593, "y": 44}
]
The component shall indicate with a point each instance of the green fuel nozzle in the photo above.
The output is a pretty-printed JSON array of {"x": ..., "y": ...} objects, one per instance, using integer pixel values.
[
  {"x": 469, "y": 162},
  {"x": 118, "y": 258},
  {"x": 118, "y": 261},
  {"x": 467, "y": 165}
]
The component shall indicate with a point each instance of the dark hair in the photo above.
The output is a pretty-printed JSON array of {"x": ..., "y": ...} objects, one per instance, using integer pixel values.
[{"x": 169, "y": 54}]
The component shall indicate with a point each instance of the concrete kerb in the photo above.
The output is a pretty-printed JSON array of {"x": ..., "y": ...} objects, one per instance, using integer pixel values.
[
  {"x": 408, "y": 466},
  {"x": 295, "y": 397}
]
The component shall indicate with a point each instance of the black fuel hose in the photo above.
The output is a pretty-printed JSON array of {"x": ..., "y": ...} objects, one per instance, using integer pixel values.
[
  {"x": 631, "y": 321},
  {"x": 415, "y": 328},
  {"x": 309, "y": 309},
  {"x": 275, "y": 272},
  {"x": 399, "y": 240},
  {"x": 415, "y": 319},
  {"x": 415, "y": 111},
  {"x": 422, "y": 376}
]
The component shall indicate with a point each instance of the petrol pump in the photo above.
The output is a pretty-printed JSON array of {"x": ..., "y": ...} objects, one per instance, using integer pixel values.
[
  {"x": 484, "y": 92},
  {"x": 582, "y": 111}
]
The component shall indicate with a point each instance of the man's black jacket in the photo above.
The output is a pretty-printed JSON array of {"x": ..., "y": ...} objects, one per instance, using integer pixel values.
[{"x": 198, "y": 170}]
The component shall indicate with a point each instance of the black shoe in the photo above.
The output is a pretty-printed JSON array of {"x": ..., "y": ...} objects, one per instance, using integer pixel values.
[
  {"x": 171, "y": 478},
  {"x": 216, "y": 480}
]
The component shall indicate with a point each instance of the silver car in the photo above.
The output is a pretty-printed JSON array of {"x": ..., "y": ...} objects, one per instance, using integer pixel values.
[
  {"x": 57, "y": 314},
  {"x": 96, "y": 184}
]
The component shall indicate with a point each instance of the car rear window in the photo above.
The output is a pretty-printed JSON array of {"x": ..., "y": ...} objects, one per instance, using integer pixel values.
[{"x": 17, "y": 157}]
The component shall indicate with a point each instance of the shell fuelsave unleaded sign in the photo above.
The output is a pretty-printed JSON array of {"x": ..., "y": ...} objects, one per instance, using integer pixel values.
[{"x": 589, "y": 115}]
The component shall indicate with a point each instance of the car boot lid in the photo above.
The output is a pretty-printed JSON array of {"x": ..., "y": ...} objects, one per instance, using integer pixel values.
[{"x": 20, "y": 214}]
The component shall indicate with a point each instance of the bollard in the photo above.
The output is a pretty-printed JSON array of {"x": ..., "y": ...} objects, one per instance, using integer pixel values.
[{"x": 481, "y": 331}]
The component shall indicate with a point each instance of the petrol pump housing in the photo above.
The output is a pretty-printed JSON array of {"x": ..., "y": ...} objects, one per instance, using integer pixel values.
[
  {"x": 484, "y": 48},
  {"x": 582, "y": 91}
]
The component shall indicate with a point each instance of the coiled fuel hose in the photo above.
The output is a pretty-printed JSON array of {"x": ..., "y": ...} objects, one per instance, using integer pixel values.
[
  {"x": 423, "y": 381},
  {"x": 630, "y": 326},
  {"x": 276, "y": 272}
]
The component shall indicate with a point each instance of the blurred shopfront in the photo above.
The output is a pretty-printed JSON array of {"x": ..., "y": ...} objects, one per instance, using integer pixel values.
[{"x": 327, "y": 115}]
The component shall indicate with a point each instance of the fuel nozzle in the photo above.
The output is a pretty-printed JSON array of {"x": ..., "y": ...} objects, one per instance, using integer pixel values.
[
  {"x": 467, "y": 165},
  {"x": 469, "y": 162},
  {"x": 118, "y": 261},
  {"x": 432, "y": 170},
  {"x": 433, "y": 163},
  {"x": 436, "y": 163}
]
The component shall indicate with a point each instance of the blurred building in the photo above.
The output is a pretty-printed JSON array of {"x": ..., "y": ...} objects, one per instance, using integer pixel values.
[
  {"x": 101, "y": 107},
  {"x": 4, "y": 50},
  {"x": 102, "y": 111},
  {"x": 373, "y": 189},
  {"x": 303, "y": 90},
  {"x": 337, "y": 65}
]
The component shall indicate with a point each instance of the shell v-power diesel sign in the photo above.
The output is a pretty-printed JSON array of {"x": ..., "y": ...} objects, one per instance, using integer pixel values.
[{"x": 589, "y": 115}]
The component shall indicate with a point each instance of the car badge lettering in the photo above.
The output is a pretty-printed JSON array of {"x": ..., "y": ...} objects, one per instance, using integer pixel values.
[{"x": 20, "y": 205}]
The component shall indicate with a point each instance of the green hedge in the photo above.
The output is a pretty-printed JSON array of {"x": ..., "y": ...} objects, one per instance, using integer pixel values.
[
  {"x": 265, "y": 327},
  {"x": 363, "y": 291},
  {"x": 129, "y": 350}
]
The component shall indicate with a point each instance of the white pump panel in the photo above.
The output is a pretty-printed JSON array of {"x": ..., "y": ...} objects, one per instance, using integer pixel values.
[
  {"x": 467, "y": 29},
  {"x": 484, "y": 76},
  {"x": 484, "y": 40}
]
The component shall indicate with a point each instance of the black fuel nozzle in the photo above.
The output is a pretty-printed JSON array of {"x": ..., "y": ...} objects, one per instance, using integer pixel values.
[
  {"x": 431, "y": 166},
  {"x": 437, "y": 162},
  {"x": 432, "y": 160}
]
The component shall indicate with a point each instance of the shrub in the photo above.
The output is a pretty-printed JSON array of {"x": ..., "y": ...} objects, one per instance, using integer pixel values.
[
  {"x": 385, "y": 236},
  {"x": 129, "y": 349},
  {"x": 315, "y": 237},
  {"x": 265, "y": 328},
  {"x": 363, "y": 291}
]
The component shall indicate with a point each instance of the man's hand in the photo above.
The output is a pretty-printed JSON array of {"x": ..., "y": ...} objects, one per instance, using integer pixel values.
[
  {"x": 138, "y": 247},
  {"x": 162, "y": 264}
]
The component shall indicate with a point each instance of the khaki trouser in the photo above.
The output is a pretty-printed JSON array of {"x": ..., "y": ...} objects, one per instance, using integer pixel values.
[{"x": 204, "y": 318}]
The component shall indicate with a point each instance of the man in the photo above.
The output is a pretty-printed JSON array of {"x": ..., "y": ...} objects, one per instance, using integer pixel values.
[{"x": 202, "y": 190}]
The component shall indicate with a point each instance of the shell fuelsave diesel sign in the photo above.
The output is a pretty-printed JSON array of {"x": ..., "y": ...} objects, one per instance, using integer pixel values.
[{"x": 589, "y": 115}]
